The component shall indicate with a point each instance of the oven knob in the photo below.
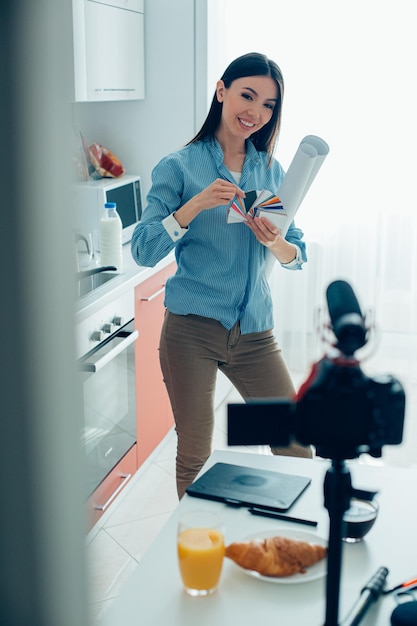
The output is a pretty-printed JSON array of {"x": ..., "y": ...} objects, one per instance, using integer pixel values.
[
  {"x": 98, "y": 335},
  {"x": 108, "y": 328},
  {"x": 118, "y": 321}
]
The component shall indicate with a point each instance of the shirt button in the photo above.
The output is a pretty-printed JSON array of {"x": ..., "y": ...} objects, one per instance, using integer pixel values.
[{"x": 176, "y": 233}]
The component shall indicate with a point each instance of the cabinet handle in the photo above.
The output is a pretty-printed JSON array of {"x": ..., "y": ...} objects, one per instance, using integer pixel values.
[
  {"x": 154, "y": 295},
  {"x": 103, "y": 507}
]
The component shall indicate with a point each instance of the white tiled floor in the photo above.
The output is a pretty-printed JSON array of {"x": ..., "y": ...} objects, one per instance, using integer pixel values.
[{"x": 117, "y": 544}]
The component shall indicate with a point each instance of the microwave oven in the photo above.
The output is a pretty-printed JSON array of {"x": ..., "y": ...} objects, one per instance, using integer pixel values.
[{"x": 90, "y": 197}]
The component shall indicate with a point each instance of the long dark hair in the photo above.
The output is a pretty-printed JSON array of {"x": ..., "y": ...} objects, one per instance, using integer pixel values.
[{"x": 251, "y": 64}]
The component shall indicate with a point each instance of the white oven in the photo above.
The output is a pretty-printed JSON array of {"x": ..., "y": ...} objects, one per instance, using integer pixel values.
[{"x": 106, "y": 365}]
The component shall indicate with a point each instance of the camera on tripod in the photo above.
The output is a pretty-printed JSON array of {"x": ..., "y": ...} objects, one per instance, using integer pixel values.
[{"x": 338, "y": 409}]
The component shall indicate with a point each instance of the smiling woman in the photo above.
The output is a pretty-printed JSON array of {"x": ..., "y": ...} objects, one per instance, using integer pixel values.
[{"x": 219, "y": 311}]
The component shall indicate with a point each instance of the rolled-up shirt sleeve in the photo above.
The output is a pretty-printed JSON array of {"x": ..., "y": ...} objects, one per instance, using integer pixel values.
[
  {"x": 295, "y": 236},
  {"x": 295, "y": 263}
]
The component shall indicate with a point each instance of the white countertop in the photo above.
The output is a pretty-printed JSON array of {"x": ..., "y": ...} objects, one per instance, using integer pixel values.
[
  {"x": 131, "y": 276},
  {"x": 154, "y": 593}
]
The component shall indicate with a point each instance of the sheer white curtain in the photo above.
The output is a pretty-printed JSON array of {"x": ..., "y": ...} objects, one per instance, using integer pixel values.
[{"x": 349, "y": 71}]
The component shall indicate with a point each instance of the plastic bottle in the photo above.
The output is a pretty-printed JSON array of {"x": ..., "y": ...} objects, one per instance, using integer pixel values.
[{"x": 111, "y": 237}]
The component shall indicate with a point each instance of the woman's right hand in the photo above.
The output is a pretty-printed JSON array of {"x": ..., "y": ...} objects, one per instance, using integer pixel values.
[{"x": 220, "y": 192}]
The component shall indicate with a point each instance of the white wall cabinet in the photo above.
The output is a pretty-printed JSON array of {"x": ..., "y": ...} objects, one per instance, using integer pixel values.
[{"x": 108, "y": 50}]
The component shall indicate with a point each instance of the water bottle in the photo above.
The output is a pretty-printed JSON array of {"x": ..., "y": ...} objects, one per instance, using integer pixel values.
[{"x": 111, "y": 237}]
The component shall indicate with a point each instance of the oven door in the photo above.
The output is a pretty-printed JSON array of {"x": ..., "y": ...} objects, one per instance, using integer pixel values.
[{"x": 109, "y": 400}]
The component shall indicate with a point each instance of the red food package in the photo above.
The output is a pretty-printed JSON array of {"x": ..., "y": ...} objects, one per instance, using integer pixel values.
[{"x": 105, "y": 162}]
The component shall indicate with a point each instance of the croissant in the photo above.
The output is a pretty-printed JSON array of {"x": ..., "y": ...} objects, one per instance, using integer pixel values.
[{"x": 275, "y": 556}]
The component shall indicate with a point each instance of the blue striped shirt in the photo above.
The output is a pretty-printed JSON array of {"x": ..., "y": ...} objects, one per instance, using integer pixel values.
[{"x": 222, "y": 268}]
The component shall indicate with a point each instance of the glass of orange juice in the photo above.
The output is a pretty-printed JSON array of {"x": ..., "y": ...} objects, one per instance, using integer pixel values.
[{"x": 200, "y": 544}]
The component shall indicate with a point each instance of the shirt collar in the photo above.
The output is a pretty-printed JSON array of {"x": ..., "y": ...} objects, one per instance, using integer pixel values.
[{"x": 214, "y": 147}]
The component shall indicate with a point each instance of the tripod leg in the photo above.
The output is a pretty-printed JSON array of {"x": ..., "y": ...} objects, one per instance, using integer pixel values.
[{"x": 337, "y": 491}]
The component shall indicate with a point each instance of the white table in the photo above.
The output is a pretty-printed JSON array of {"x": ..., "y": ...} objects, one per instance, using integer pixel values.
[{"x": 154, "y": 595}]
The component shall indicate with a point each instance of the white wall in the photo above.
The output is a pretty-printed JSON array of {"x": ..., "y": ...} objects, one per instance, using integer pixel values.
[
  {"x": 349, "y": 77},
  {"x": 141, "y": 132}
]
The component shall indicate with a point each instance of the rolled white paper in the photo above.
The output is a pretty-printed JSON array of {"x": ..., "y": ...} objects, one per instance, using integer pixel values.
[{"x": 302, "y": 171}]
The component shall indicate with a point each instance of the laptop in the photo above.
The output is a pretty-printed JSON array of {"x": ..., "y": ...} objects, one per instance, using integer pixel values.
[{"x": 244, "y": 486}]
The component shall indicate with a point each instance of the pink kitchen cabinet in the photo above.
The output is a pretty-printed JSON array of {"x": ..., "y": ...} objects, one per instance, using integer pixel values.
[{"x": 154, "y": 415}]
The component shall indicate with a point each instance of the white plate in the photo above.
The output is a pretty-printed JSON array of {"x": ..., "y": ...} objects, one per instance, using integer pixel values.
[{"x": 318, "y": 570}]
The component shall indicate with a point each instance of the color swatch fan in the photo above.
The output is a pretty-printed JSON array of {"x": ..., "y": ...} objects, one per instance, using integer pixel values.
[{"x": 253, "y": 203}]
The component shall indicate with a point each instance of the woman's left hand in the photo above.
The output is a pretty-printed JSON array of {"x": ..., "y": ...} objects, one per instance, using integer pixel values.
[
  {"x": 265, "y": 232},
  {"x": 270, "y": 236}
]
